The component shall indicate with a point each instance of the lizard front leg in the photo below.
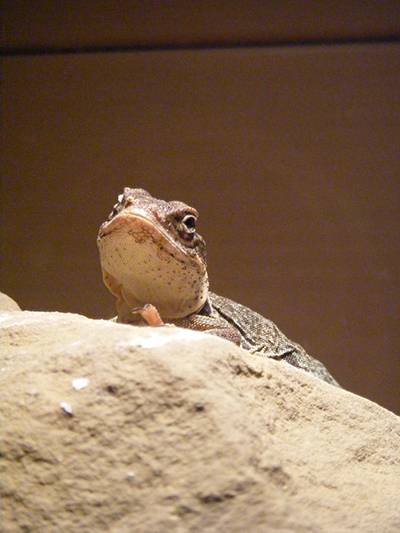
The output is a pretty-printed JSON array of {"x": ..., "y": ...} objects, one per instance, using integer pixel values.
[
  {"x": 150, "y": 314},
  {"x": 209, "y": 324}
]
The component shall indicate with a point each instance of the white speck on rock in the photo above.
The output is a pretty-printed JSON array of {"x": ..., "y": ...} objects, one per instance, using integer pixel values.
[
  {"x": 80, "y": 383},
  {"x": 130, "y": 477},
  {"x": 67, "y": 407}
]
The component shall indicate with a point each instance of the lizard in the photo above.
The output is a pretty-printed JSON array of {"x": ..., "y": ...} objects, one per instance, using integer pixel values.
[{"x": 154, "y": 261}]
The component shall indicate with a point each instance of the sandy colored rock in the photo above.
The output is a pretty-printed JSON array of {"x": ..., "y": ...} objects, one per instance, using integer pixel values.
[
  {"x": 7, "y": 303},
  {"x": 179, "y": 431}
]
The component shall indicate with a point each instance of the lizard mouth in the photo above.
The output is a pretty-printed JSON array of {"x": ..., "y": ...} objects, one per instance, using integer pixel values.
[{"x": 133, "y": 219}]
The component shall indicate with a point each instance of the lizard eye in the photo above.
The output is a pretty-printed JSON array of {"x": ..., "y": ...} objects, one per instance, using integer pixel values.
[{"x": 189, "y": 222}]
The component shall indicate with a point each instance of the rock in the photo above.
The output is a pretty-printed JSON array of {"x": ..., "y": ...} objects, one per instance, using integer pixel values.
[
  {"x": 108, "y": 427},
  {"x": 8, "y": 304}
]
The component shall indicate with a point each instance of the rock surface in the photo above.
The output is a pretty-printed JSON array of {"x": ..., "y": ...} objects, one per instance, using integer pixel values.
[{"x": 175, "y": 430}]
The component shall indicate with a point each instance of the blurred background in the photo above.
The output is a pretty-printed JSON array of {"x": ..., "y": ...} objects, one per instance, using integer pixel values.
[{"x": 278, "y": 121}]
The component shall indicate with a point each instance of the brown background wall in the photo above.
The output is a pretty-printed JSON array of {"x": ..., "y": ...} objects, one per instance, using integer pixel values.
[{"x": 290, "y": 153}]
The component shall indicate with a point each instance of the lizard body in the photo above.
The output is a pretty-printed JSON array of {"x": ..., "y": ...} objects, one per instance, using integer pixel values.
[{"x": 151, "y": 253}]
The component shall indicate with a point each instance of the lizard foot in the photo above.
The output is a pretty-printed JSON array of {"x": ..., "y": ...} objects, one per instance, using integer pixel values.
[{"x": 150, "y": 314}]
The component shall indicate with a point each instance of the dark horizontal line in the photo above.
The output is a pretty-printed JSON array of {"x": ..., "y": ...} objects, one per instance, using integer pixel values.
[{"x": 43, "y": 50}]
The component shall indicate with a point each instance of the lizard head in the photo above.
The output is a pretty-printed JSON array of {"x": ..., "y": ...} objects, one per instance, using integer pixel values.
[{"x": 150, "y": 252}]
